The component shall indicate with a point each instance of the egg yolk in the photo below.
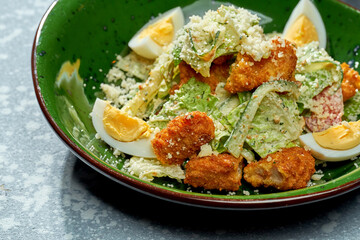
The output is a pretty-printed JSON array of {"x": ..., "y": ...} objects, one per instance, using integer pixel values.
[
  {"x": 161, "y": 32},
  {"x": 340, "y": 137},
  {"x": 120, "y": 126},
  {"x": 302, "y": 31}
]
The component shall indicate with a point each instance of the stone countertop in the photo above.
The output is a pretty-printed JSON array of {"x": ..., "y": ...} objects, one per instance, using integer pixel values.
[{"x": 48, "y": 193}]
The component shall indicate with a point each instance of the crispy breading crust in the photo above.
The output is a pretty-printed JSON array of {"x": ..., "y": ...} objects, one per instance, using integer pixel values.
[
  {"x": 350, "y": 83},
  {"x": 219, "y": 72},
  {"x": 222, "y": 172},
  {"x": 183, "y": 137},
  {"x": 288, "y": 169},
  {"x": 247, "y": 74}
]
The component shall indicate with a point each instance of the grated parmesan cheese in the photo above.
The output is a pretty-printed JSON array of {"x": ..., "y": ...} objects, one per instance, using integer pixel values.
[
  {"x": 206, "y": 150},
  {"x": 120, "y": 95},
  {"x": 229, "y": 29},
  {"x": 147, "y": 169}
]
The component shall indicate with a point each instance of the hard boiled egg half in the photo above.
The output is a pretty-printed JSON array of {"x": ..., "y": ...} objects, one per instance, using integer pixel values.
[
  {"x": 128, "y": 134},
  {"x": 305, "y": 25},
  {"x": 158, "y": 33},
  {"x": 338, "y": 143}
]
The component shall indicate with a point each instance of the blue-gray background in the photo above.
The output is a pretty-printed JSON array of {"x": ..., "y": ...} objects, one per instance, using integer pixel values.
[{"x": 47, "y": 193}]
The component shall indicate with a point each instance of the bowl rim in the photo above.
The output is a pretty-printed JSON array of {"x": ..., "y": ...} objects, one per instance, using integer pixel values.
[{"x": 169, "y": 195}]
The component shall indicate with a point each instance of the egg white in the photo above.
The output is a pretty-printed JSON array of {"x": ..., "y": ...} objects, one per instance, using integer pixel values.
[
  {"x": 139, "y": 148},
  {"x": 146, "y": 47},
  {"x": 327, "y": 154},
  {"x": 307, "y": 8}
]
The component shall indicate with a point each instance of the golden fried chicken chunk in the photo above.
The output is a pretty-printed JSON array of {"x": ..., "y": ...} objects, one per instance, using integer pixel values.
[
  {"x": 247, "y": 74},
  {"x": 219, "y": 72},
  {"x": 350, "y": 83},
  {"x": 183, "y": 137},
  {"x": 290, "y": 168},
  {"x": 222, "y": 172}
]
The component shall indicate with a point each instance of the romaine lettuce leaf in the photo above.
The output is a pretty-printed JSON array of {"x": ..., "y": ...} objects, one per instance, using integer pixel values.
[
  {"x": 192, "y": 96},
  {"x": 352, "y": 108},
  {"x": 238, "y": 136},
  {"x": 276, "y": 124},
  {"x": 316, "y": 70}
]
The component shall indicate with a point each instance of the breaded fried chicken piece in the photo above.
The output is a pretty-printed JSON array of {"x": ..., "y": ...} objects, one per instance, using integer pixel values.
[
  {"x": 218, "y": 73},
  {"x": 183, "y": 137},
  {"x": 247, "y": 74},
  {"x": 222, "y": 172},
  {"x": 350, "y": 83},
  {"x": 288, "y": 169}
]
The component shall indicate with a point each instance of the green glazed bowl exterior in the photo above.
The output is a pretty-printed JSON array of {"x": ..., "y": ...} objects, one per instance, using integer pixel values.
[{"x": 95, "y": 31}]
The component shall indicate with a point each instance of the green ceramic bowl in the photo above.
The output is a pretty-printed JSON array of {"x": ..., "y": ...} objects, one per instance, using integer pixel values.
[{"x": 92, "y": 32}]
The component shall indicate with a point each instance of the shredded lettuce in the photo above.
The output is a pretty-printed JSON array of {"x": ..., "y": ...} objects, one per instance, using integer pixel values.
[{"x": 147, "y": 169}]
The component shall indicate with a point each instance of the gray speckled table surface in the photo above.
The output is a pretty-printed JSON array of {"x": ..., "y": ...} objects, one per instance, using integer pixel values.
[{"x": 48, "y": 193}]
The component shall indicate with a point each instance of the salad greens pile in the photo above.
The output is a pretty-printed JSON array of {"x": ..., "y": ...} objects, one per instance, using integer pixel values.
[
  {"x": 251, "y": 124},
  {"x": 257, "y": 122}
]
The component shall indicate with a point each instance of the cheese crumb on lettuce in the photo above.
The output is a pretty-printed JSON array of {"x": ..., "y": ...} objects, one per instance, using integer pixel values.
[
  {"x": 276, "y": 124},
  {"x": 148, "y": 169},
  {"x": 316, "y": 70},
  {"x": 217, "y": 33}
]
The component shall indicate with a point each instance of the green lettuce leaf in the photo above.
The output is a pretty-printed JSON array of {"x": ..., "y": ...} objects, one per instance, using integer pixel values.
[
  {"x": 316, "y": 70},
  {"x": 192, "y": 96},
  {"x": 238, "y": 136},
  {"x": 352, "y": 108},
  {"x": 276, "y": 124}
]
